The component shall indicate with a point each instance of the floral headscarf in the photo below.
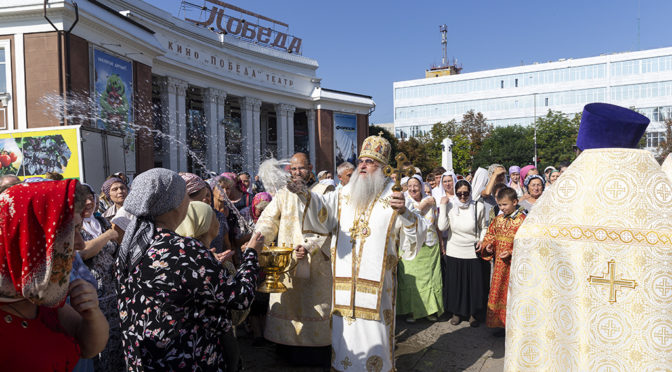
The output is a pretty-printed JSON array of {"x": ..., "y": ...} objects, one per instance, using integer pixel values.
[
  {"x": 107, "y": 185},
  {"x": 258, "y": 198},
  {"x": 37, "y": 241},
  {"x": 194, "y": 182}
]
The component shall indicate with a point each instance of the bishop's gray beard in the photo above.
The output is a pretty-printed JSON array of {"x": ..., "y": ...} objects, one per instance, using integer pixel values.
[{"x": 365, "y": 188}]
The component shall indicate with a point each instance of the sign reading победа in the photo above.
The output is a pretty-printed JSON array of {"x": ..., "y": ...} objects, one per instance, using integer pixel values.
[{"x": 250, "y": 31}]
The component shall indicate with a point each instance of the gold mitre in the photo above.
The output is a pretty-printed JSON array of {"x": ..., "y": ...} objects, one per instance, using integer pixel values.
[{"x": 377, "y": 148}]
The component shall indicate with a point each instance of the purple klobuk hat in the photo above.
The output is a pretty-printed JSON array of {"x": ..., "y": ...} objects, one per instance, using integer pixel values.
[{"x": 604, "y": 125}]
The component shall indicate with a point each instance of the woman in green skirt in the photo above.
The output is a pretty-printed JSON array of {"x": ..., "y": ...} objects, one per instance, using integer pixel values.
[{"x": 419, "y": 289}]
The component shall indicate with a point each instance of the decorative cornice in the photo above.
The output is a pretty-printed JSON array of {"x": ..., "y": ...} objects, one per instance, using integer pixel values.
[{"x": 284, "y": 108}]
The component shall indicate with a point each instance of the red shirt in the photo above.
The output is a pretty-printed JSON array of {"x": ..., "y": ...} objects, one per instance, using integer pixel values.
[{"x": 41, "y": 346}]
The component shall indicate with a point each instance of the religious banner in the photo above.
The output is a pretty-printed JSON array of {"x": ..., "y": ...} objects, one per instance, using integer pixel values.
[
  {"x": 32, "y": 153},
  {"x": 345, "y": 138}
]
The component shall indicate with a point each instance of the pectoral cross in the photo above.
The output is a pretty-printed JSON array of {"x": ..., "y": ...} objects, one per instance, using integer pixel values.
[
  {"x": 404, "y": 169},
  {"x": 609, "y": 278}
]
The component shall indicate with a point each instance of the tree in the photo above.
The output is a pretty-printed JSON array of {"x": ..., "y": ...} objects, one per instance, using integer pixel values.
[
  {"x": 415, "y": 149},
  {"x": 510, "y": 145},
  {"x": 556, "y": 137},
  {"x": 665, "y": 146},
  {"x": 475, "y": 128}
]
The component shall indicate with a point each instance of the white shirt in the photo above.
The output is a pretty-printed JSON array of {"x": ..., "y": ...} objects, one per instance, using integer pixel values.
[{"x": 460, "y": 224}]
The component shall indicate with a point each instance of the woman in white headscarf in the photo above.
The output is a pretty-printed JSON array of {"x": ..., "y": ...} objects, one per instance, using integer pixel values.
[
  {"x": 466, "y": 276},
  {"x": 419, "y": 285},
  {"x": 442, "y": 193}
]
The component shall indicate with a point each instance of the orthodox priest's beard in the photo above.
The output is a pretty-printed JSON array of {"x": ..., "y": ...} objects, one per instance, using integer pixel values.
[{"x": 365, "y": 188}]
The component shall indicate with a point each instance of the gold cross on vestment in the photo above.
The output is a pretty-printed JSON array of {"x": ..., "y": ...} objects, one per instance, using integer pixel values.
[
  {"x": 609, "y": 278},
  {"x": 346, "y": 363}
]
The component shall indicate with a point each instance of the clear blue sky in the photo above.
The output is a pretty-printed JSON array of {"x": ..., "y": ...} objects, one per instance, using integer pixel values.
[{"x": 364, "y": 46}]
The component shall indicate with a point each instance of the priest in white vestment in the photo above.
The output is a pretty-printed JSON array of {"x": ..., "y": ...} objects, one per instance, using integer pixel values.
[
  {"x": 298, "y": 319},
  {"x": 371, "y": 226},
  {"x": 590, "y": 287}
]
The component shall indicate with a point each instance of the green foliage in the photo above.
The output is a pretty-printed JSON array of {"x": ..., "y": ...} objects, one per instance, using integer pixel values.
[
  {"x": 478, "y": 144},
  {"x": 556, "y": 137},
  {"x": 511, "y": 145}
]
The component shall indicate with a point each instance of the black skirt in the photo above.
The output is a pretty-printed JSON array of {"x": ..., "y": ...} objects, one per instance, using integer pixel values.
[{"x": 466, "y": 283}]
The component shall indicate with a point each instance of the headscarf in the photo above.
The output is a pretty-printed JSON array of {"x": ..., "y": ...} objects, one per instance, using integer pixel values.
[
  {"x": 258, "y": 198},
  {"x": 198, "y": 220},
  {"x": 194, "y": 182},
  {"x": 422, "y": 187},
  {"x": 457, "y": 201},
  {"x": 234, "y": 177},
  {"x": 439, "y": 192},
  {"x": 524, "y": 170},
  {"x": 514, "y": 169},
  {"x": 91, "y": 224},
  {"x": 533, "y": 176},
  {"x": 107, "y": 185},
  {"x": 243, "y": 227},
  {"x": 154, "y": 193},
  {"x": 550, "y": 174},
  {"x": 36, "y": 241},
  {"x": 479, "y": 183}
]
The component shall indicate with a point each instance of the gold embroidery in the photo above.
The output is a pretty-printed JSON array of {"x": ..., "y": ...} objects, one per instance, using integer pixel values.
[
  {"x": 322, "y": 214},
  {"x": 374, "y": 364},
  {"x": 346, "y": 363},
  {"x": 599, "y": 234},
  {"x": 388, "y": 315},
  {"x": 609, "y": 278}
]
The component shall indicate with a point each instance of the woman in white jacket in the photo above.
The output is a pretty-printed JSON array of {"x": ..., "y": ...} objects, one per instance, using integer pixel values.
[{"x": 466, "y": 276}]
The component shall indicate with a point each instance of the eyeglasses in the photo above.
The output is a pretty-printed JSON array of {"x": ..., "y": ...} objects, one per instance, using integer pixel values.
[
  {"x": 462, "y": 194},
  {"x": 367, "y": 161}
]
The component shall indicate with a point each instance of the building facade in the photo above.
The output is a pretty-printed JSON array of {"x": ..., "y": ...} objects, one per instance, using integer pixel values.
[
  {"x": 517, "y": 95},
  {"x": 192, "y": 99}
]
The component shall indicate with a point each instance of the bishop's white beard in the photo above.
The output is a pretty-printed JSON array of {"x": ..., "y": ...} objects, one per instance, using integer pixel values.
[{"x": 364, "y": 189}]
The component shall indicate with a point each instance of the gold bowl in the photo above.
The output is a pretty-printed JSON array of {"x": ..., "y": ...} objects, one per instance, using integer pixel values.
[{"x": 275, "y": 261}]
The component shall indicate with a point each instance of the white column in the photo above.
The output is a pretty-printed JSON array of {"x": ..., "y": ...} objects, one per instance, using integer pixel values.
[
  {"x": 250, "y": 110},
  {"x": 310, "y": 114},
  {"x": 182, "y": 126},
  {"x": 19, "y": 95},
  {"x": 221, "y": 131},
  {"x": 285, "y": 129},
  {"x": 210, "y": 106}
]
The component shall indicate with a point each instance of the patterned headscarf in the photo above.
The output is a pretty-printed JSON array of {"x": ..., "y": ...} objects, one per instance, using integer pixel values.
[
  {"x": 258, "y": 198},
  {"x": 154, "y": 193},
  {"x": 194, "y": 182},
  {"x": 533, "y": 176},
  {"x": 107, "y": 185},
  {"x": 37, "y": 241}
]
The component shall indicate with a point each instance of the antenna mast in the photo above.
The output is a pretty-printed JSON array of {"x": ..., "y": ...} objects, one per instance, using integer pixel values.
[{"x": 444, "y": 44}]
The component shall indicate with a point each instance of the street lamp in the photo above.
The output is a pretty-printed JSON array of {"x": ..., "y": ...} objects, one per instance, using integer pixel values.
[{"x": 535, "y": 130}]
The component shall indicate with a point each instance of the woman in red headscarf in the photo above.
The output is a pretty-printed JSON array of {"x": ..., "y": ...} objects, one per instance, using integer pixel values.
[{"x": 39, "y": 232}]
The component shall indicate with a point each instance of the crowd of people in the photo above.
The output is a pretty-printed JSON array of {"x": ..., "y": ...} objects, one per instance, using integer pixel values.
[{"x": 158, "y": 273}]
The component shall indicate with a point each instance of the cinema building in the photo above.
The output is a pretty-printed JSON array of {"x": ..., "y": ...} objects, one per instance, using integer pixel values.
[{"x": 218, "y": 94}]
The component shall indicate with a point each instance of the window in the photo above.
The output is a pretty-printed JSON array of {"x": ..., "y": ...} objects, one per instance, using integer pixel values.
[
  {"x": 516, "y": 82},
  {"x": 501, "y": 84},
  {"x": 546, "y": 101},
  {"x": 6, "y": 108}
]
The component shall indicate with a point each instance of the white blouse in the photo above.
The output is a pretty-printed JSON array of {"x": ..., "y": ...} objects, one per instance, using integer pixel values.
[
  {"x": 432, "y": 238},
  {"x": 460, "y": 223}
]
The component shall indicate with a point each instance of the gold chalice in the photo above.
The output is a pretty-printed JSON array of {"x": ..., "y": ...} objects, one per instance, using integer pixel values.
[{"x": 275, "y": 261}]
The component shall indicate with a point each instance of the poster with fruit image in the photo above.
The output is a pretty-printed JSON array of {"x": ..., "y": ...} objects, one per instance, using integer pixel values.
[
  {"x": 32, "y": 153},
  {"x": 10, "y": 157}
]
